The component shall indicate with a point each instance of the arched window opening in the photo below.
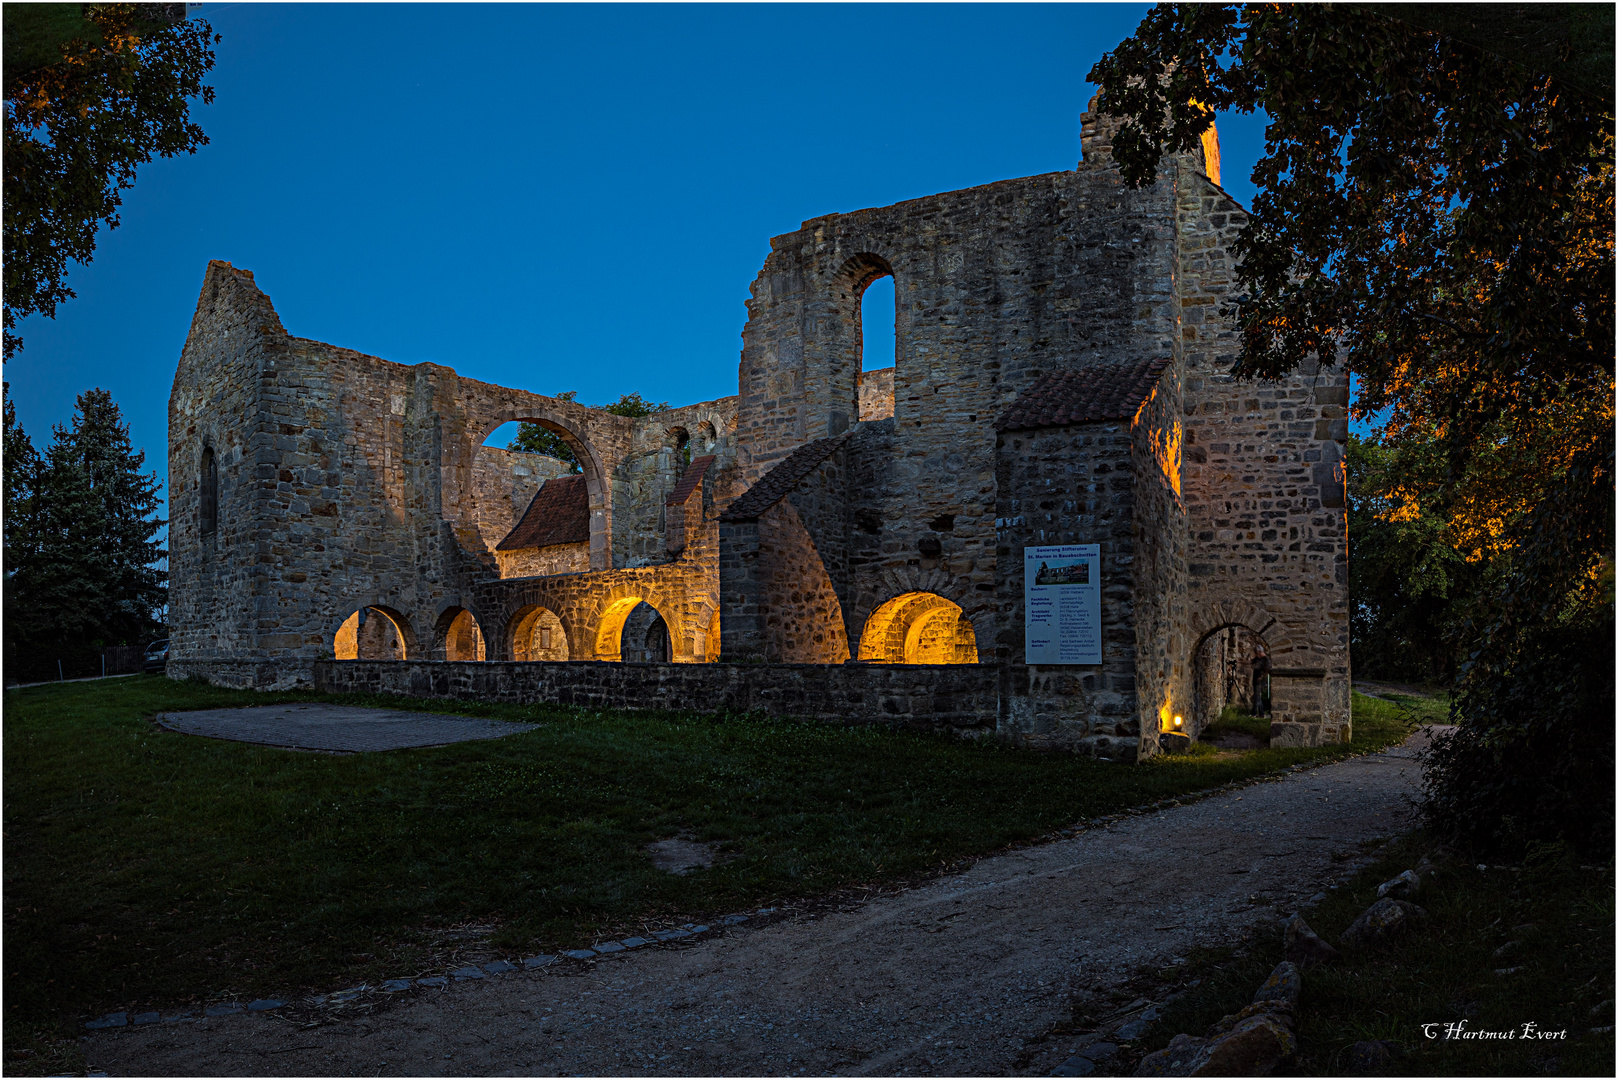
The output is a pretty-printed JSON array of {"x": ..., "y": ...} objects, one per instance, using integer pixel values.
[
  {"x": 656, "y": 644},
  {"x": 707, "y": 437},
  {"x": 877, "y": 338},
  {"x": 208, "y": 493},
  {"x": 875, "y": 322},
  {"x": 369, "y": 634},
  {"x": 537, "y": 634},
  {"x": 633, "y": 631},
  {"x": 919, "y": 628},
  {"x": 680, "y": 439}
]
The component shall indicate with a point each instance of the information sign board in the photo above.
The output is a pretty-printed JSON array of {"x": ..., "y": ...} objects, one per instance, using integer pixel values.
[{"x": 1062, "y": 599}]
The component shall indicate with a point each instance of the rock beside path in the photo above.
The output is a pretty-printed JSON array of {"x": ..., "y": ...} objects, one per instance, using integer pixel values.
[
  {"x": 1382, "y": 922},
  {"x": 1306, "y": 948},
  {"x": 1253, "y": 1042}
]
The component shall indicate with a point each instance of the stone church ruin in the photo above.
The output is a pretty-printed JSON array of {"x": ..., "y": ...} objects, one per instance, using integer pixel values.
[{"x": 829, "y": 542}]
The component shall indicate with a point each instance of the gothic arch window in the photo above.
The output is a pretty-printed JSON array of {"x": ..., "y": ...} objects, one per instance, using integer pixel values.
[{"x": 208, "y": 488}]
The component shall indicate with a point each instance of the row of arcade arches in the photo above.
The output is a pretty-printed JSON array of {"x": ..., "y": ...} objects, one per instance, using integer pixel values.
[
  {"x": 913, "y": 628},
  {"x": 630, "y": 630}
]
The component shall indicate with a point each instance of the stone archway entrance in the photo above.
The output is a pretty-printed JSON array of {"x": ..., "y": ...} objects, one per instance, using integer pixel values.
[{"x": 1222, "y": 674}]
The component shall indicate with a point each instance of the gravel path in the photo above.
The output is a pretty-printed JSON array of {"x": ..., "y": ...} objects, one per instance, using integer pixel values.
[
  {"x": 341, "y": 728},
  {"x": 965, "y": 975}
]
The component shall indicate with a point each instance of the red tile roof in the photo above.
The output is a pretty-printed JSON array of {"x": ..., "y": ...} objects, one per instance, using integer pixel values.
[
  {"x": 773, "y": 485},
  {"x": 1101, "y": 392},
  {"x": 559, "y": 514},
  {"x": 688, "y": 483}
]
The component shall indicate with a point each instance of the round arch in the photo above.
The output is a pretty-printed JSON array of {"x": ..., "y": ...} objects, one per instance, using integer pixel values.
[
  {"x": 536, "y": 632},
  {"x": 595, "y": 470},
  {"x": 919, "y": 628},
  {"x": 1221, "y": 671},
  {"x": 374, "y": 632},
  {"x": 458, "y": 635}
]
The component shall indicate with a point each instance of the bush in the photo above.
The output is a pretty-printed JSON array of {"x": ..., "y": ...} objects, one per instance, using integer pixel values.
[{"x": 1533, "y": 762}]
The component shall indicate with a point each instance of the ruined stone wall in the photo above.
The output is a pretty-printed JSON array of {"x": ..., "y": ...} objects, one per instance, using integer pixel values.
[
  {"x": 876, "y": 394},
  {"x": 957, "y": 699},
  {"x": 1070, "y": 485},
  {"x": 504, "y": 483},
  {"x": 662, "y": 445},
  {"x": 1164, "y": 681},
  {"x": 216, "y": 405},
  {"x": 347, "y": 481},
  {"x": 994, "y": 286},
  {"x": 538, "y": 562},
  {"x": 684, "y": 591},
  {"x": 804, "y": 620},
  {"x": 1264, "y": 490}
]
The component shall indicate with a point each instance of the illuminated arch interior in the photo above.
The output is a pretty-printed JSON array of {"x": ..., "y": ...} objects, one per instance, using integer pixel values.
[
  {"x": 610, "y": 633},
  {"x": 537, "y": 634},
  {"x": 369, "y": 634},
  {"x": 919, "y": 628},
  {"x": 463, "y": 638}
]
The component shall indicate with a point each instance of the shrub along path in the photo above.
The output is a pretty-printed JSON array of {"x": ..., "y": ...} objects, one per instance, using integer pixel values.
[{"x": 970, "y": 973}]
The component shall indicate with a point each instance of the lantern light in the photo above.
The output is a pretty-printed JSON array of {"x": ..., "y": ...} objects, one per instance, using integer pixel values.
[{"x": 1178, "y": 720}]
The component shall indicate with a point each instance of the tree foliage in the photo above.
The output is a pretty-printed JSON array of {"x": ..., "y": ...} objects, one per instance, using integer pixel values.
[
  {"x": 1438, "y": 217},
  {"x": 535, "y": 438},
  {"x": 92, "y": 92},
  {"x": 81, "y": 547}
]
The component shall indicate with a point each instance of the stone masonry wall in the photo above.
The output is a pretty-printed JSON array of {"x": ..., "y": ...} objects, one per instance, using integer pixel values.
[
  {"x": 994, "y": 286},
  {"x": 347, "y": 481},
  {"x": 804, "y": 624},
  {"x": 1164, "y": 679},
  {"x": 953, "y": 698},
  {"x": 541, "y": 562},
  {"x": 505, "y": 483},
  {"x": 1070, "y": 485},
  {"x": 876, "y": 394},
  {"x": 1264, "y": 490}
]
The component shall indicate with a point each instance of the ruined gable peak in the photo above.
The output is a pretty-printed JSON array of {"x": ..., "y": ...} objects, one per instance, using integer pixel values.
[{"x": 230, "y": 295}]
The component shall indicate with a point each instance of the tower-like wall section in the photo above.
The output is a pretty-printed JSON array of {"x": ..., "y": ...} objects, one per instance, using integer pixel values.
[{"x": 1264, "y": 488}]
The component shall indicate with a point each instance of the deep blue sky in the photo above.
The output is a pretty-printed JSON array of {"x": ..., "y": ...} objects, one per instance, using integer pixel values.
[{"x": 555, "y": 197}]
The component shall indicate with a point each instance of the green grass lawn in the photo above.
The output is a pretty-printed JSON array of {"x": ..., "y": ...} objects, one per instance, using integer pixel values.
[{"x": 147, "y": 868}]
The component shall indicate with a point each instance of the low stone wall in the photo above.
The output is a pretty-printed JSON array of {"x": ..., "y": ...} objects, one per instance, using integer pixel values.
[
  {"x": 292, "y": 673},
  {"x": 960, "y": 698}
]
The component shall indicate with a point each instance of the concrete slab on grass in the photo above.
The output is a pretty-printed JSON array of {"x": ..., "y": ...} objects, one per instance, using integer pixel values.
[{"x": 342, "y": 728}]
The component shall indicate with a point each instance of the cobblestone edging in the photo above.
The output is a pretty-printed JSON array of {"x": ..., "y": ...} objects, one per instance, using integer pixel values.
[{"x": 468, "y": 973}]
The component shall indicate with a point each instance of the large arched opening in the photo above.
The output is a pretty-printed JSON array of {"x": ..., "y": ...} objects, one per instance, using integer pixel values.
[
  {"x": 919, "y": 628},
  {"x": 457, "y": 636},
  {"x": 633, "y": 631},
  {"x": 519, "y": 450},
  {"x": 373, "y": 633},
  {"x": 537, "y": 633},
  {"x": 1228, "y": 699}
]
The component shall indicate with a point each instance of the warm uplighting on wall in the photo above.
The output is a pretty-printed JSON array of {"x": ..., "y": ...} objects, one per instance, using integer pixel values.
[{"x": 919, "y": 628}]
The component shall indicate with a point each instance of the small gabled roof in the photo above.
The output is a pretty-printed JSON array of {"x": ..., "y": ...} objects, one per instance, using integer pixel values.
[
  {"x": 1083, "y": 395},
  {"x": 774, "y": 485},
  {"x": 688, "y": 483},
  {"x": 558, "y": 514}
]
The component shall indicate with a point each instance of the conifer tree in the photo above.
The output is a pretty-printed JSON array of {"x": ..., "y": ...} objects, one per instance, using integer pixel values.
[{"x": 81, "y": 548}]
